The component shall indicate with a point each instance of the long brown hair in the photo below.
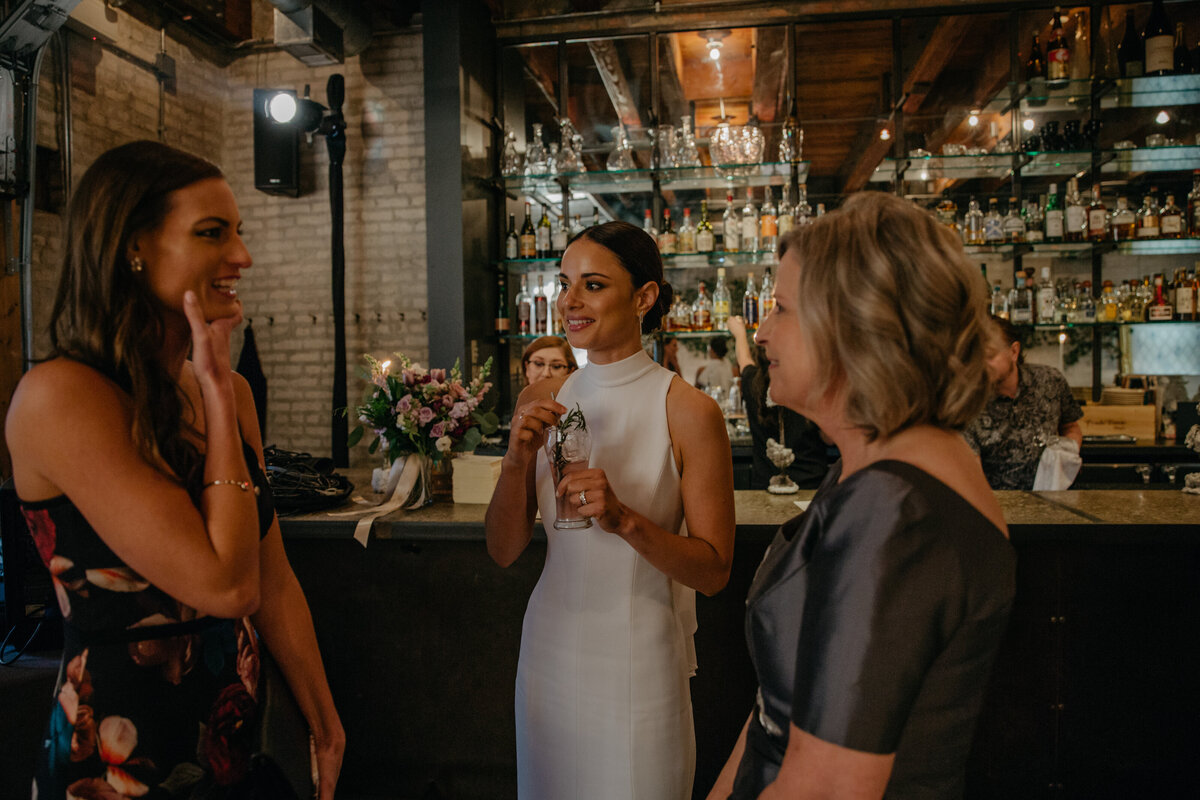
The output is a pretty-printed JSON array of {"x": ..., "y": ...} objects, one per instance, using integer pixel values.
[{"x": 104, "y": 313}]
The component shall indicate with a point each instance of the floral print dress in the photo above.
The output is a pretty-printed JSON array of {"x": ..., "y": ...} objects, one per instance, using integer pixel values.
[{"x": 152, "y": 700}]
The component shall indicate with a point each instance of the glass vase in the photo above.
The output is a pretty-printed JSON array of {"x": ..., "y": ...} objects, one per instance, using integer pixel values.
[{"x": 441, "y": 479}]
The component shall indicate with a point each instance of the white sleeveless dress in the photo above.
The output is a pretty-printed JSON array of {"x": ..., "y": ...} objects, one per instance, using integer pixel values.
[{"x": 602, "y": 699}]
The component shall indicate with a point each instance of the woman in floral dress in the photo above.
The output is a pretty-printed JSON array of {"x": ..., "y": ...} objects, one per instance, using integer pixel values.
[{"x": 138, "y": 461}]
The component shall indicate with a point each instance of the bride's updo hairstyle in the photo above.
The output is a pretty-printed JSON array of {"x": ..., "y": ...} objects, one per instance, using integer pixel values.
[
  {"x": 892, "y": 314},
  {"x": 638, "y": 253}
]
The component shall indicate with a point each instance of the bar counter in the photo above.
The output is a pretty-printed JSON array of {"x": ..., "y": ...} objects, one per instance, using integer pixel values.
[{"x": 1094, "y": 693}]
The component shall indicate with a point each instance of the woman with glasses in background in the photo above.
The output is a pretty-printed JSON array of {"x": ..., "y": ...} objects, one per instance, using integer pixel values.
[{"x": 547, "y": 357}]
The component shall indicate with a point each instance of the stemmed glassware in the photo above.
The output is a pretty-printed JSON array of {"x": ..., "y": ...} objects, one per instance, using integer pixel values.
[
  {"x": 621, "y": 158},
  {"x": 687, "y": 154},
  {"x": 510, "y": 159},
  {"x": 536, "y": 158}
]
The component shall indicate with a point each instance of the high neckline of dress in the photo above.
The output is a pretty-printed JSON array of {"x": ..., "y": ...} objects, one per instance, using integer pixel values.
[{"x": 619, "y": 372}]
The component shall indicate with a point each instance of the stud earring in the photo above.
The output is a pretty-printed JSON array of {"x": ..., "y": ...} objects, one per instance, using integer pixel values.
[{"x": 136, "y": 264}]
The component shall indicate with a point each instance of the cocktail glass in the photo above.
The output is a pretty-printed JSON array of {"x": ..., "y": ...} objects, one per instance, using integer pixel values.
[{"x": 568, "y": 450}]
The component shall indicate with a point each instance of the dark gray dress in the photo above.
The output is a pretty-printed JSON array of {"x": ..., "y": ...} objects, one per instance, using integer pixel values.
[{"x": 873, "y": 622}]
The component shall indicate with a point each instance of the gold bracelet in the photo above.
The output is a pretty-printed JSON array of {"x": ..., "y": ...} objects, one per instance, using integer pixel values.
[{"x": 243, "y": 485}]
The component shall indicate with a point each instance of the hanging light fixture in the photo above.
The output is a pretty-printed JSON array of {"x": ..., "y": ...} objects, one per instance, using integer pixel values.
[{"x": 714, "y": 41}]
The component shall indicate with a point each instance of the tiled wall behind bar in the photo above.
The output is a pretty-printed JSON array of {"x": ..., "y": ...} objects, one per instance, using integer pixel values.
[{"x": 287, "y": 293}]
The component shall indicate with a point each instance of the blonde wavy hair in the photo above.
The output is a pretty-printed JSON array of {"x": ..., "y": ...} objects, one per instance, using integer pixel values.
[{"x": 893, "y": 315}]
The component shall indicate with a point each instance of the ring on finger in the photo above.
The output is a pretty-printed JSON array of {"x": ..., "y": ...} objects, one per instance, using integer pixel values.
[{"x": 583, "y": 497}]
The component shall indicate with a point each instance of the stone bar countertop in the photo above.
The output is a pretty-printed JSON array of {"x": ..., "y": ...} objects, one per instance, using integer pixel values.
[{"x": 1135, "y": 515}]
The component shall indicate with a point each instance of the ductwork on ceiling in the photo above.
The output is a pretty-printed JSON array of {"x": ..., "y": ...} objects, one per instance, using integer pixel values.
[{"x": 321, "y": 32}]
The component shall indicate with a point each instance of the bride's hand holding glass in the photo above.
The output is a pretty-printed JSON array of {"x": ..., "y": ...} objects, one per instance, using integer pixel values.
[{"x": 528, "y": 430}]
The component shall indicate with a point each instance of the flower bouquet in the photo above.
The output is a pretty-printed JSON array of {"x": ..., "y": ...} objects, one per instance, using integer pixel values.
[
  {"x": 1191, "y": 482},
  {"x": 428, "y": 413}
]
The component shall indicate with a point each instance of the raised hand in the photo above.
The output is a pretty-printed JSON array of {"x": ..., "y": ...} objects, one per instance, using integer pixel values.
[
  {"x": 529, "y": 424},
  {"x": 210, "y": 343}
]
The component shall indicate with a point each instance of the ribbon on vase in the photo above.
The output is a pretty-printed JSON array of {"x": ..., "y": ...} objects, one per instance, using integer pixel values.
[{"x": 398, "y": 491}]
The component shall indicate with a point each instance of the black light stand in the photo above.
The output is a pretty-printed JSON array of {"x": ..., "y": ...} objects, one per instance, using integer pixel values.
[{"x": 333, "y": 127}]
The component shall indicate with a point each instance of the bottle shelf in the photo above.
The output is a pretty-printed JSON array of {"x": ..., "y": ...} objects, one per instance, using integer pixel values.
[
  {"x": 1032, "y": 164},
  {"x": 718, "y": 177},
  {"x": 1085, "y": 249},
  {"x": 1065, "y": 326},
  {"x": 717, "y": 258},
  {"x": 1042, "y": 96}
]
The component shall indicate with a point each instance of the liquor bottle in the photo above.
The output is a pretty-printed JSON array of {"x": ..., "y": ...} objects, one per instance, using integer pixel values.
[
  {"x": 558, "y": 241},
  {"x": 1170, "y": 220},
  {"x": 541, "y": 310},
  {"x": 1020, "y": 301},
  {"x": 667, "y": 239},
  {"x": 705, "y": 240},
  {"x": 993, "y": 223},
  {"x": 1159, "y": 309},
  {"x": 524, "y": 308},
  {"x": 542, "y": 243},
  {"x": 731, "y": 240},
  {"x": 1035, "y": 222},
  {"x": 1054, "y": 216},
  {"x": 786, "y": 219},
  {"x": 595, "y": 216},
  {"x": 512, "y": 244},
  {"x": 1047, "y": 298},
  {"x": 766, "y": 295},
  {"x": 1109, "y": 309},
  {"x": 1014, "y": 223},
  {"x": 1035, "y": 66},
  {"x": 750, "y": 303},
  {"x": 1075, "y": 217},
  {"x": 1183, "y": 59},
  {"x": 1081, "y": 49},
  {"x": 702, "y": 310},
  {"x": 687, "y": 234},
  {"x": 502, "y": 297},
  {"x": 1087, "y": 303},
  {"x": 1193, "y": 207},
  {"x": 1147, "y": 220},
  {"x": 1160, "y": 44},
  {"x": 1145, "y": 295},
  {"x": 1058, "y": 52},
  {"x": 1122, "y": 225},
  {"x": 768, "y": 227},
  {"x": 1131, "y": 52},
  {"x": 554, "y": 319},
  {"x": 528, "y": 238},
  {"x": 804, "y": 212},
  {"x": 820, "y": 210},
  {"x": 999, "y": 302},
  {"x": 947, "y": 213},
  {"x": 576, "y": 226},
  {"x": 749, "y": 224},
  {"x": 973, "y": 224},
  {"x": 1097, "y": 217},
  {"x": 1187, "y": 296},
  {"x": 648, "y": 226},
  {"x": 720, "y": 302}
]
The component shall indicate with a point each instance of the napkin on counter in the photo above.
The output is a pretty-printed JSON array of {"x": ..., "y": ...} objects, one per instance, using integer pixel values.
[{"x": 1059, "y": 465}]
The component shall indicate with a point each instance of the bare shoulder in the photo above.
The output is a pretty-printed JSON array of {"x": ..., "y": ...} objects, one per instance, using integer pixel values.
[
  {"x": 247, "y": 413},
  {"x": 56, "y": 391},
  {"x": 685, "y": 401}
]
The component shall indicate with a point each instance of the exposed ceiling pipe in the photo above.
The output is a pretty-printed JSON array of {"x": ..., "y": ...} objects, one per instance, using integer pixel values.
[{"x": 349, "y": 16}]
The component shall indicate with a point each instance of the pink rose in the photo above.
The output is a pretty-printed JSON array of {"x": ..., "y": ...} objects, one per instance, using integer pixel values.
[
  {"x": 437, "y": 431},
  {"x": 425, "y": 415}
]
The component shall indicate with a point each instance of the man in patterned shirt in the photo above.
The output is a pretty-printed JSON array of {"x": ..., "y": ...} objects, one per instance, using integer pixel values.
[{"x": 1031, "y": 405}]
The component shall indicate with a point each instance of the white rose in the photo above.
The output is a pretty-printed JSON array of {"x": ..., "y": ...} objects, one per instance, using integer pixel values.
[{"x": 443, "y": 444}]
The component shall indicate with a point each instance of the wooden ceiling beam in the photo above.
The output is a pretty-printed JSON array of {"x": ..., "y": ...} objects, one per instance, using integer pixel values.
[
  {"x": 608, "y": 64},
  {"x": 770, "y": 76},
  {"x": 934, "y": 56}
]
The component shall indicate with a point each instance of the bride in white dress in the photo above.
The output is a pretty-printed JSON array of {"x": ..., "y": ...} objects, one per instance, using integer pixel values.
[{"x": 603, "y": 705}]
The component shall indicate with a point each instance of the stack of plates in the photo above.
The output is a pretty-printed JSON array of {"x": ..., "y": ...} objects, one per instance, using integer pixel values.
[{"x": 1115, "y": 396}]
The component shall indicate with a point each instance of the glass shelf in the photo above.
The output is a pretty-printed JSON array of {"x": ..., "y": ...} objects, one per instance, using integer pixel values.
[
  {"x": 1065, "y": 326},
  {"x": 1080, "y": 249},
  {"x": 674, "y": 178},
  {"x": 1159, "y": 91},
  {"x": 1072, "y": 162}
]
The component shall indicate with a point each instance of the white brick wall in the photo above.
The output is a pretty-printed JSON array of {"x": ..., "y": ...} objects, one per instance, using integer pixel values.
[{"x": 287, "y": 293}]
